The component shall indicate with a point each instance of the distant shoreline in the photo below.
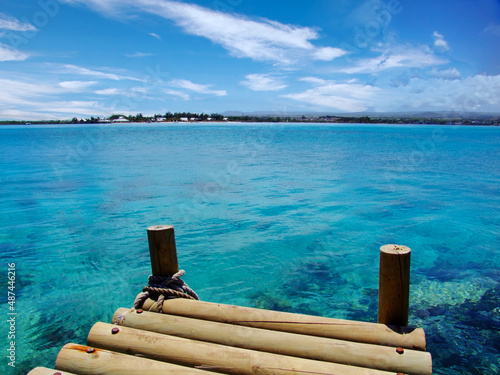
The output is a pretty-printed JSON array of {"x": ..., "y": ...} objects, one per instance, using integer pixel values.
[
  {"x": 413, "y": 120},
  {"x": 35, "y": 123}
]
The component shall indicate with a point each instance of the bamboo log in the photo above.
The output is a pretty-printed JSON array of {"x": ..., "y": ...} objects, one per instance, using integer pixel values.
[
  {"x": 215, "y": 357},
  {"x": 394, "y": 285},
  {"x": 370, "y": 333},
  {"x": 162, "y": 250},
  {"x": 304, "y": 346},
  {"x": 82, "y": 360},
  {"x": 48, "y": 371}
]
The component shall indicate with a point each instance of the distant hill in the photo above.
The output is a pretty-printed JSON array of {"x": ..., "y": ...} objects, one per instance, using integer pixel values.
[{"x": 385, "y": 115}]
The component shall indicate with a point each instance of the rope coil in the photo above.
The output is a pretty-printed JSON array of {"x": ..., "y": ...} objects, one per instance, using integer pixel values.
[{"x": 160, "y": 288}]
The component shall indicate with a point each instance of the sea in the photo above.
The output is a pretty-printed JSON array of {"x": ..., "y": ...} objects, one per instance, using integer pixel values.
[{"x": 289, "y": 217}]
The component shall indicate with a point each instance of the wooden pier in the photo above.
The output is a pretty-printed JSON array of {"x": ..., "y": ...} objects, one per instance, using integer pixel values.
[{"x": 191, "y": 337}]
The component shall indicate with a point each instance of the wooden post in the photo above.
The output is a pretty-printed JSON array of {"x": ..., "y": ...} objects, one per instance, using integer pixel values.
[
  {"x": 394, "y": 285},
  {"x": 162, "y": 250}
]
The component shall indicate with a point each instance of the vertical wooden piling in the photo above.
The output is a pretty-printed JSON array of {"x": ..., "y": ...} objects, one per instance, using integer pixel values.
[
  {"x": 162, "y": 250},
  {"x": 394, "y": 285}
]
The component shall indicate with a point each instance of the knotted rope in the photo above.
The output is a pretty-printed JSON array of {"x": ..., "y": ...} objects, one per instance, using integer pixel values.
[{"x": 160, "y": 288}]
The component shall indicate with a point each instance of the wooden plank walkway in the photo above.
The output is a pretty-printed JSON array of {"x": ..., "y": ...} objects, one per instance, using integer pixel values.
[{"x": 191, "y": 337}]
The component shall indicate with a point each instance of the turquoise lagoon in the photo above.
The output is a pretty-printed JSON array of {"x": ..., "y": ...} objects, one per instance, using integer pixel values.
[{"x": 287, "y": 217}]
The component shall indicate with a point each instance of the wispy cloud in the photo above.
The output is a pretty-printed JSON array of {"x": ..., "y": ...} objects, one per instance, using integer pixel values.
[
  {"x": 493, "y": 28},
  {"x": 263, "y": 82},
  {"x": 201, "y": 89},
  {"x": 440, "y": 43},
  {"x": 13, "y": 24},
  {"x": 8, "y": 53},
  {"x": 396, "y": 57},
  {"x": 7, "y": 23},
  {"x": 109, "y": 91},
  {"x": 345, "y": 97},
  {"x": 155, "y": 36},
  {"x": 19, "y": 92},
  {"x": 74, "y": 69},
  {"x": 257, "y": 39},
  {"x": 79, "y": 107},
  {"x": 179, "y": 94},
  {"x": 130, "y": 92},
  {"x": 139, "y": 54},
  {"x": 42, "y": 100},
  {"x": 451, "y": 73}
]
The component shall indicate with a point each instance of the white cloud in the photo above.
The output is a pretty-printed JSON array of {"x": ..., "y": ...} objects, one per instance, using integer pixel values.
[
  {"x": 396, "y": 57},
  {"x": 314, "y": 80},
  {"x": 451, "y": 73},
  {"x": 76, "y": 86},
  {"x": 475, "y": 93},
  {"x": 201, "y": 89},
  {"x": 440, "y": 43},
  {"x": 19, "y": 91},
  {"x": 26, "y": 115},
  {"x": 263, "y": 82},
  {"x": 109, "y": 91},
  {"x": 345, "y": 97},
  {"x": 76, "y": 107},
  {"x": 155, "y": 36},
  {"x": 10, "y": 54},
  {"x": 42, "y": 100},
  {"x": 261, "y": 40},
  {"x": 328, "y": 53},
  {"x": 13, "y": 24}
]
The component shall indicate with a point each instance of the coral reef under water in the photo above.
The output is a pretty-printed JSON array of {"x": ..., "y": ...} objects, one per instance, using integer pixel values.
[{"x": 461, "y": 318}]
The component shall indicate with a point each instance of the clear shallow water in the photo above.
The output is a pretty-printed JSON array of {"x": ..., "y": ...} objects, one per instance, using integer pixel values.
[{"x": 283, "y": 217}]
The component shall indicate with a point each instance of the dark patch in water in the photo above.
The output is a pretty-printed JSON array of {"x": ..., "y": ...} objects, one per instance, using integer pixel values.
[
  {"x": 27, "y": 203},
  {"x": 442, "y": 272},
  {"x": 264, "y": 225},
  {"x": 369, "y": 303},
  {"x": 442, "y": 249},
  {"x": 305, "y": 308},
  {"x": 270, "y": 301},
  {"x": 275, "y": 210},
  {"x": 315, "y": 246},
  {"x": 370, "y": 292},
  {"x": 275, "y": 301},
  {"x": 310, "y": 278},
  {"x": 463, "y": 339},
  {"x": 433, "y": 311},
  {"x": 376, "y": 215},
  {"x": 449, "y": 271}
]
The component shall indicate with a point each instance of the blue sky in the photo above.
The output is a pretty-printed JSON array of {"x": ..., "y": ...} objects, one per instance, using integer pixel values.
[{"x": 65, "y": 58}]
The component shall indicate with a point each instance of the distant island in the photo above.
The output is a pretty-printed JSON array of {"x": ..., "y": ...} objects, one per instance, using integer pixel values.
[{"x": 437, "y": 118}]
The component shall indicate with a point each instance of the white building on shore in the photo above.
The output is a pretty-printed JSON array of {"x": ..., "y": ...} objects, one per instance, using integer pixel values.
[{"x": 121, "y": 119}]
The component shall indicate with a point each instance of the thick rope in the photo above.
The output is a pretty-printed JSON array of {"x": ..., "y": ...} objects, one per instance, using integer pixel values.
[{"x": 160, "y": 287}]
